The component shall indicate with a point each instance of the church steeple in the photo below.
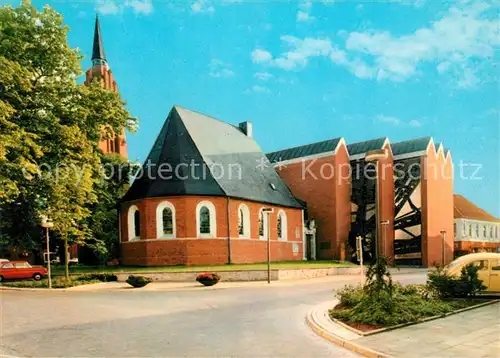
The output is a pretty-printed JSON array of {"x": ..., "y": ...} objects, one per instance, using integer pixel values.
[
  {"x": 101, "y": 72},
  {"x": 98, "y": 56}
]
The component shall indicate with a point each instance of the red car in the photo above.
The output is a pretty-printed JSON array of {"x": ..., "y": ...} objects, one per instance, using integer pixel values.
[{"x": 14, "y": 270}]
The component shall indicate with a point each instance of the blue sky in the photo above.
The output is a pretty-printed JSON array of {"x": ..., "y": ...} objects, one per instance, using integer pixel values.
[{"x": 308, "y": 71}]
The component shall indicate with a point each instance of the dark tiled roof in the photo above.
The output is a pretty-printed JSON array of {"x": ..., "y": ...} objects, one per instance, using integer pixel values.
[
  {"x": 410, "y": 146},
  {"x": 98, "y": 47},
  {"x": 304, "y": 150},
  {"x": 465, "y": 209},
  {"x": 363, "y": 147},
  {"x": 226, "y": 163}
]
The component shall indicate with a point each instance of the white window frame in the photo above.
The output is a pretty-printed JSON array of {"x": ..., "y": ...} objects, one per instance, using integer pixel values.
[
  {"x": 265, "y": 223},
  {"x": 284, "y": 227},
  {"x": 159, "y": 220},
  {"x": 131, "y": 223},
  {"x": 213, "y": 220},
  {"x": 246, "y": 221}
]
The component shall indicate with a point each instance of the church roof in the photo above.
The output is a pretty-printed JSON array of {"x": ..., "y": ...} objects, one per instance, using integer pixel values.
[
  {"x": 195, "y": 154},
  {"x": 410, "y": 146},
  {"x": 98, "y": 47},
  {"x": 363, "y": 147},
  {"x": 304, "y": 150},
  {"x": 465, "y": 209}
]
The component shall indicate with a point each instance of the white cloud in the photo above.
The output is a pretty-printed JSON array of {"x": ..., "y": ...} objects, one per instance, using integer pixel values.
[
  {"x": 144, "y": 7},
  {"x": 107, "y": 7},
  {"x": 260, "y": 89},
  {"x": 304, "y": 12},
  {"x": 219, "y": 69},
  {"x": 415, "y": 123},
  {"x": 461, "y": 35},
  {"x": 415, "y": 3},
  {"x": 259, "y": 56},
  {"x": 387, "y": 119},
  {"x": 111, "y": 7},
  {"x": 468, "y": 80},
  {"x": 202, "y": 6},
  {"x": 467, "y": 34},
  {"x": 263, "y": 76},
  {"x": 381, "y": 118},
  {"x": 300, "y": 52}
]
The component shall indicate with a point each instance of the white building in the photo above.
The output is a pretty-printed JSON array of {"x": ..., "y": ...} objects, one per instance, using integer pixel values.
[{"x": 475, "y": 229}]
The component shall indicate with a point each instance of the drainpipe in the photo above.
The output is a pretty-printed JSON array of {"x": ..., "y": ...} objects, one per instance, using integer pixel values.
[{"x": 228, "y": 232}]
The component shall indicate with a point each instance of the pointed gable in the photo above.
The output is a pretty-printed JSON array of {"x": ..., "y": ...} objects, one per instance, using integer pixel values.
[{"x": 211, "y": 158}]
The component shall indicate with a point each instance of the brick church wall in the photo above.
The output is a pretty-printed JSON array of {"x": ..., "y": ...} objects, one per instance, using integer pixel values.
[{"x": 187, "y": 249}]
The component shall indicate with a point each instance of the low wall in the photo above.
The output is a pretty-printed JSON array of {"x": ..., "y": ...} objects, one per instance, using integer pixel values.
[{"x": 246, "y": 275}]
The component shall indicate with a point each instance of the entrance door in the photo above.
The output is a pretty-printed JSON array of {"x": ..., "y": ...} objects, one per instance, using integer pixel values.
[{"x": 310, "y": 247}]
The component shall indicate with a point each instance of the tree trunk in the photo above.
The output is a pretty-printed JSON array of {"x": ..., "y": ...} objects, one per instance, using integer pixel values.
[{"x": 66, "y": 260}]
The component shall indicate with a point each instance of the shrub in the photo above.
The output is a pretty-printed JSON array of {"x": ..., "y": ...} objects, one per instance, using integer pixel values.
[
  {"x": 378, "y": 279},
  {"x": 138, "y": 281},
  {"x": 102, "y": 277},
  {"x": 443, "y": 285},
  {"x": 403, "y": 304},
  {"x": 349, "y": 296},
  {"x": 208, "y": 279}
]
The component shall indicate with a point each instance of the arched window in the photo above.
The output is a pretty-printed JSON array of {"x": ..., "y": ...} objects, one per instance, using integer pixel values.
[
  {"x": 165, "y": 220},
  {"x": 470, "y": 230},
  {"x": 205, "y": 219},
  {"x": 243, "y": 221},
  {"x": 134, "y": 223},
  {"x": 263, "y": 225},
  {"x": 477, "y": 230},
  {"x": 281, "y": 226}
]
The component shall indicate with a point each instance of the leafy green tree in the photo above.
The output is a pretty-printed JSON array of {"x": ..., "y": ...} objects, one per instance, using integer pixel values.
[{"x": 50, "y": 128}]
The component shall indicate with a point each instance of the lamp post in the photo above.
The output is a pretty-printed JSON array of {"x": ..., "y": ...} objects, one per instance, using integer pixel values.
[
  {"x": 384, "y": 245},
  {"x": 375, "y": 156},
  {"x": 268, "y": 211},
  {"x": 47, "y": 225},
  {"x": 443, "y": 235}
]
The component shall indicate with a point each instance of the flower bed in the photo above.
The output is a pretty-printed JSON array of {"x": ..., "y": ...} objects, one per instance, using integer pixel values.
[
  {"x": 382, "y": 303},
  {"x": 208, "y": 279}
]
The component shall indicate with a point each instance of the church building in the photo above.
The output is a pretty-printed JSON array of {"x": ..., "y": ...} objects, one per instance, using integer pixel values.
[{"x": 207, "y": 194}]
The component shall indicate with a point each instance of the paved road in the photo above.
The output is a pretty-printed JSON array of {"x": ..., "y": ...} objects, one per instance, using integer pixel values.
[{"x": 257, "y": 321}]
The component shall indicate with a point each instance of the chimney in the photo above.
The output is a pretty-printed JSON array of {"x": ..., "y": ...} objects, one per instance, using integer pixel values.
[{"x": 246, "y": 128}]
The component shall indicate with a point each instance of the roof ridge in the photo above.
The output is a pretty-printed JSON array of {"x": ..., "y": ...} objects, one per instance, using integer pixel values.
[{"x": 304, "y": 145}]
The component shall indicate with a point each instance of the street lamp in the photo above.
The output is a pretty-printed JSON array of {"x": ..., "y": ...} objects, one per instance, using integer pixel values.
[
  {"x": 268, "y": 211},
  {"x": 384, "y": 246},
  {"x": 375, "y": 156},
  {"x": 443, "y": 235},
  {"x": 47, "y": 225}
]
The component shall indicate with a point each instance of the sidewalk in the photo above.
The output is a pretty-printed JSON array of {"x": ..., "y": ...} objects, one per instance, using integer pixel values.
[{"x": 473, "y": 333}]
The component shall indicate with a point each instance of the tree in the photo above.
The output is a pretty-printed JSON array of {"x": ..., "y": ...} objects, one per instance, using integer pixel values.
[{"x": 50, "y": 128}]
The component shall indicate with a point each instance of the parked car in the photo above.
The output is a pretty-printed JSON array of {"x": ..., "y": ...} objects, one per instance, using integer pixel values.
[
  {"x": 488, "y": 264},
  {"x": 14, "y": 270}
]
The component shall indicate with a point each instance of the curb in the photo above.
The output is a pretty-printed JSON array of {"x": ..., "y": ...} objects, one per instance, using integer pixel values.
[
  {"x": 423, "y": 320},
  {"x": 313, "y": 322}
]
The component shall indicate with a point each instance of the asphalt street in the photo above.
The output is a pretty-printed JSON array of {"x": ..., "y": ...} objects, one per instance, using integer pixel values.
[{"x": 256, "y": 321}]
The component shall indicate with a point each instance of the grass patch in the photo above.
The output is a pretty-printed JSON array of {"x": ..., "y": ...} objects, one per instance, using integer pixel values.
[
  {"x": 61, "y": 282},
  {"x": 77, "y": 269},
  {"x": 57, "y": 282}
]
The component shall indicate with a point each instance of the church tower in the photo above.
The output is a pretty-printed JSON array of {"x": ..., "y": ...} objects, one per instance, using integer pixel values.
[{"x": 100, "y": 71}]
